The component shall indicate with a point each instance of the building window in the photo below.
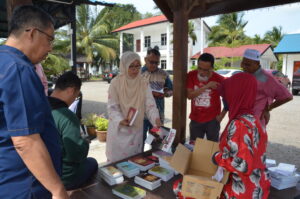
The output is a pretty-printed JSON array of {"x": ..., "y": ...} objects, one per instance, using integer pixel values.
[
  {"x": 163, "y": 64},
  {"x": 194, "y": 62},
  {"x": 164, "y": 39},
  {"x": 147, "y": 41}
]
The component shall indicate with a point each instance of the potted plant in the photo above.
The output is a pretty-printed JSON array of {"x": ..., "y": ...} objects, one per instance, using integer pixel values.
[
  {"x": 101, "y": 125},
  {"x": 89, "y": 122}
]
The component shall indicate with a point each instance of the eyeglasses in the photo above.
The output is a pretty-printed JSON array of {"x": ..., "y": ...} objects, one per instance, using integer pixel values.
[
  {"x": 134, "y": 67},
  {"x": 50, "y": 38},
  {"x": 154, "y": 62},
  {"x": 204, "y": 70}
]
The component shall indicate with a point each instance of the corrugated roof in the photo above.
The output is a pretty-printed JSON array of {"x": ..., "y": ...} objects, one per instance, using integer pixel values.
[
  {"x": 288, "y": 44},
  {"x": 143, "y": 22},
  {"x": 221, "y": 51}
]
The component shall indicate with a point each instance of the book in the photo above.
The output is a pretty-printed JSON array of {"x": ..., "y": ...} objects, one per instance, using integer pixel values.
[
  {"x": 148, "y": 181},
  {"x": 161, "y": 172},
  {"x": 131, "y": 115},
  {"x": 164, "y": 138},
  {"x": 142, "y": 163},
  {"x": 127, "y": 191},
  {"x": 128, "y": 169},
  {"x": 111, "y": 171},
  {"x": 112, "y": 181},
  {"x": 161, "y": 91}
]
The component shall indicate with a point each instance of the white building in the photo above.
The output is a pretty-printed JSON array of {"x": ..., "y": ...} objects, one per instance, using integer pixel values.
[
  {"x": 289, "y": 47},
  {"x": 158, "y": 31}
]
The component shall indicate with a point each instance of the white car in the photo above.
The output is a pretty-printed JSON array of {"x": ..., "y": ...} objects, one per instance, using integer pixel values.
[{"x": 228, "y": 72}]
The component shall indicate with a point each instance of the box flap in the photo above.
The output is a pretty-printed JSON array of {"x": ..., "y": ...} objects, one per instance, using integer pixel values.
[
  {"x": 200, "y": 187},
  {"x": 202, "y": 156},
  {"x": 181, "y": 159}
]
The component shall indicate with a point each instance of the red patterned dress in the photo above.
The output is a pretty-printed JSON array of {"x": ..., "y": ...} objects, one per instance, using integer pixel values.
[{"x": 243, "y": 153}]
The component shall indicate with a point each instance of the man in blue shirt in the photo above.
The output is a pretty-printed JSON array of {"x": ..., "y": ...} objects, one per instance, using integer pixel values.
[
  {"x": 29, "y": 142},
  {"x": 159, "y": 82}
]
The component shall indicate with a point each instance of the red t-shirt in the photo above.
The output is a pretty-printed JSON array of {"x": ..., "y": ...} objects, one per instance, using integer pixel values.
[{"x": 207, "y": 105}]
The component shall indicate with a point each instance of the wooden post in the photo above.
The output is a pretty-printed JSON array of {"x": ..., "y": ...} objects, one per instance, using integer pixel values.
[
  {"x": 11, "y": 4},
  {"x": 180, "y": 47}
]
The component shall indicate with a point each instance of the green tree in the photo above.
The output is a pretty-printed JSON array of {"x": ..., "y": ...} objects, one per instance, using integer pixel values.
[
  {"x": 93, "y": 36},
  {"x": 191, "y": 31},
  {"x": 229, "y": 31},
  {"x": 257, "y": 39},
  {"x": 274, "y": 36}
]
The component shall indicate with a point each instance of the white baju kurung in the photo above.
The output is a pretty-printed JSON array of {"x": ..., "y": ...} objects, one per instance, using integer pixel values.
[{"x": 123, "y": 141}]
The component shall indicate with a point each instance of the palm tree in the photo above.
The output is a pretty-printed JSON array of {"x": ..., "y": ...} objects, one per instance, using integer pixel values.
[
  {"x": 257, "y": 39},
  {"x": 93, "y": 38},
  {"x": 191, "y": 31},
  {"x": 274, "y": 36},
  {"x": 229, "y": 31}
]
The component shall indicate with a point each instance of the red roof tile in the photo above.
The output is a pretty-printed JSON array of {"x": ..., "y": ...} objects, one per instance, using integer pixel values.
[
  {"x": 143, "y": 22},
  {"x": 219, "y": 52}
]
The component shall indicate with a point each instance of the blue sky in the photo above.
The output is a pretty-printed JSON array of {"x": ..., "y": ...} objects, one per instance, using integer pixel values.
[{"x": 259, "y": 20}]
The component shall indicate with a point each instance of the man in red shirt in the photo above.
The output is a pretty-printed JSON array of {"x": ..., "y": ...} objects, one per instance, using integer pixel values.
[{"x": 202, "y": 85}]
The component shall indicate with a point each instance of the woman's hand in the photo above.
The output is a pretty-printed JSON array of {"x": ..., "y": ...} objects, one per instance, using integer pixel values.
[
  {"x": 124, "y": 122},
  {"x": 158, "y": 122}
]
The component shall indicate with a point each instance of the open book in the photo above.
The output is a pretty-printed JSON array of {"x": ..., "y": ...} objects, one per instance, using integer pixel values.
[{"x": 131, "y": 115}]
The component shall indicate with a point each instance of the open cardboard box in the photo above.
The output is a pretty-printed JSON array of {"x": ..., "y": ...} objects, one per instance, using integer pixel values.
[{"x": 197, "y": 169}]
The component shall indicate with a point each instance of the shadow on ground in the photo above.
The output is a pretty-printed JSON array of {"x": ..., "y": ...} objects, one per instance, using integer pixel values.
[{"x": 284, "y": 153}]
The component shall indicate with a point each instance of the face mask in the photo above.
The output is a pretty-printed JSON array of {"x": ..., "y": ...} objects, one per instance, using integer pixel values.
[{"x": 202, "y": 78}]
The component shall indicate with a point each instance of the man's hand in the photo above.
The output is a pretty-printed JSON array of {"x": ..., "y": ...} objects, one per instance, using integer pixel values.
[
  {"x": 62, "y": 194},
  {"x": 266, "y": 116},
  {"x": 124, "y": 122},
  {"x": 212, "y": 85}
]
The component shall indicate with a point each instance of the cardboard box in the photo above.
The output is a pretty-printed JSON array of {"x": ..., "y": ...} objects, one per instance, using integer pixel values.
[{"x": 197, "y": 169}]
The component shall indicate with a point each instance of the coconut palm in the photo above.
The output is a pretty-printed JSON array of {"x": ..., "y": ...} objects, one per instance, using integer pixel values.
[
  {"x": 93, "y": 38},
  {"x": 274, "y": 36},
  {"x": 229, "y": 31}
]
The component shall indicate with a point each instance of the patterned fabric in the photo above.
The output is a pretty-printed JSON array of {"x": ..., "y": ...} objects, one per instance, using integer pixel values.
[
  {"x": 159, "y": 80},
  {"x": 243, "y": 153},
  {"x": 124, "y": 141}
]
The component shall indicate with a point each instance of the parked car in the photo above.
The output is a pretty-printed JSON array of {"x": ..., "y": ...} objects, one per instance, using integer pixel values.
[
  {"x": 280, "y": 77},
  {"x": 296, "y": 82},
  {"x": 108, "y": 76},
  {"x": 228, "y": 72}
]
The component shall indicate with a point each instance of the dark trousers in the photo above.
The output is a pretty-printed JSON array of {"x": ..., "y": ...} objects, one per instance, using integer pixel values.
[
  {"x": 91, "y": 167},
  {"x": 147, "y": 127},
  {"x": 210, "y": 129}
]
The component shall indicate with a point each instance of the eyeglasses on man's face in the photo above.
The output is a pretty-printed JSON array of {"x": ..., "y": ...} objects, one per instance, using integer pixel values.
[{"x": 50, "y": 38}]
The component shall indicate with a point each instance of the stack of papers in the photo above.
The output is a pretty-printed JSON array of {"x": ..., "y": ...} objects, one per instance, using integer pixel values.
[
  {"x": 128, "y": 169},
  {"x": 111, "y": 175},
  {"x": 127, "y": 191},
  {"x": 148, "y": 181},
  {"x": 163, "y": 173},
  {"x": 283, "y": 176},
  {"x": 142, "y": 163}
]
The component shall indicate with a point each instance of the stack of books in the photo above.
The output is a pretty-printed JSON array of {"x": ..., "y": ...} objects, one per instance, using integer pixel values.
[
  {"x": 161, "y": 172},
  {"x": 111, "y": 175},
  {"x": 128, "y": 169},
  {"x": 142, "y": 163},
  {"x": 284, "y": 176},
  {"x": 164, "y": 160},
  {"x": 127, "y": 191},
  {"x": 148, "y": 181},
  {"x": 270, "y": 163}
]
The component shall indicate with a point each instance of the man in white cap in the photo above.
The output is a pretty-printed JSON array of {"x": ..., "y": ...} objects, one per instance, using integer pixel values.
[{"x": 270, "y": 93}]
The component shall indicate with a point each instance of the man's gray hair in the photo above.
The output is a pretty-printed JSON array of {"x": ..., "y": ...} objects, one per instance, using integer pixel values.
[{"x": 29, "y": 16}]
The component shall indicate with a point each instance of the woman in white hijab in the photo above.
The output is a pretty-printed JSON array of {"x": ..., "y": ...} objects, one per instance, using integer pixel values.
[{"x": 128, "y": 89}]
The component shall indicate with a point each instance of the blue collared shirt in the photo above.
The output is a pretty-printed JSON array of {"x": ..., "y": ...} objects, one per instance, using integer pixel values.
[{"x": 24, "y": 110}]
